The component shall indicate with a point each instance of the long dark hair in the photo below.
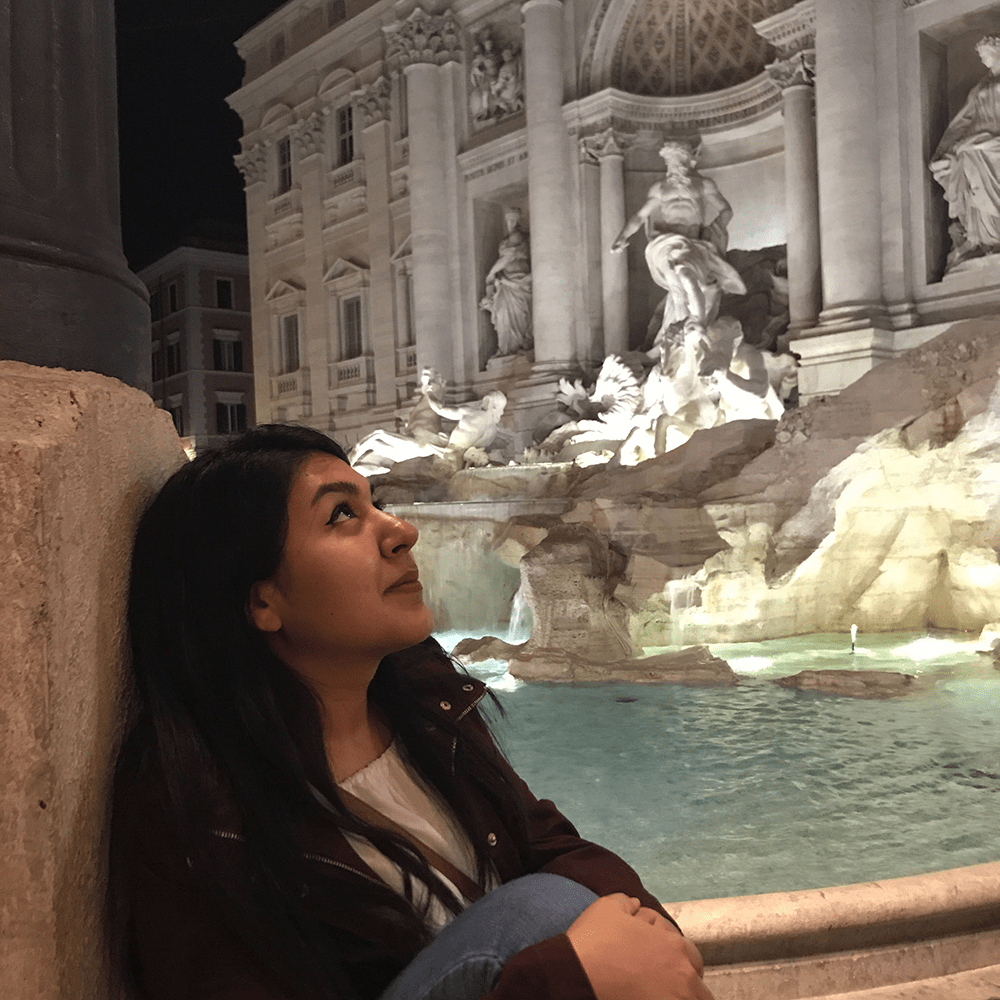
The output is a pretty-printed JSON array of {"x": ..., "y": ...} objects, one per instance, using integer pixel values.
[{"x": 219, "y": 711}]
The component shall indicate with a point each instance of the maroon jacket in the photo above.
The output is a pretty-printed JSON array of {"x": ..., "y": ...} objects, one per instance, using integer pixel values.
[{"x": 184, "y": 954}]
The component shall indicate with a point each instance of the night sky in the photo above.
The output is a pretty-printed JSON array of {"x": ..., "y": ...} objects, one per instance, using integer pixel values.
[{"x": 177, "y": 135}]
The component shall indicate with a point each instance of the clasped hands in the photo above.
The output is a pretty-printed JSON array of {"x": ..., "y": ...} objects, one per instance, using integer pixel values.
[{"x": 631, "y": 952}]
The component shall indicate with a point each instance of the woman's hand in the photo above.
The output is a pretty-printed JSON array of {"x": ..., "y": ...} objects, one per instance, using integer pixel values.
[{"x": 630, "y": 952}]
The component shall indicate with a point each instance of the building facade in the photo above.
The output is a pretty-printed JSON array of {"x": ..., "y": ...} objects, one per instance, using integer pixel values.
[
  {"x": 386, "y": 144},
  {"x": 202, "y": 348}
]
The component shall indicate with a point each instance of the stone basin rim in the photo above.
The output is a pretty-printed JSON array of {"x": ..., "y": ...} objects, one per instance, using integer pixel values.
[{"x": 882, "y": 913}]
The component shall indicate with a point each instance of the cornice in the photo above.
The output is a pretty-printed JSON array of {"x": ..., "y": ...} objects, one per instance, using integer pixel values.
[
  {"x": 792, "y": 30},
  {"x": 699, "y": 113}
]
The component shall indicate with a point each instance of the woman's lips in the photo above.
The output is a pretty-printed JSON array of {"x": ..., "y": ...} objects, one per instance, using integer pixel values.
[{"x": 408, "y": 583}]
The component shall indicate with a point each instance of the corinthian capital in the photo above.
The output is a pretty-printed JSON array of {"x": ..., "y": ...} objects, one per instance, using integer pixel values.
[
  {"x": 610, "y": 142},
  {"x": 308, "y": 135},
  {"x": 796, "y": 71},
  {"x": 372, "y": 102},
  {"x": 424, "y": 38},
  {"x": 252, "y": 164}
]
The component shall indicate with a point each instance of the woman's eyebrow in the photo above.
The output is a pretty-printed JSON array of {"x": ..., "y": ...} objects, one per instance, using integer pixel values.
[{"x": 351, "y": 489}]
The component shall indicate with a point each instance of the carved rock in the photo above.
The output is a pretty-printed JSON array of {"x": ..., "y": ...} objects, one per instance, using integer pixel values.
[
  {"x": 694, "y": 666},
  {"x": 708, "y": 457},
  {"x": 853, "y": 683}
]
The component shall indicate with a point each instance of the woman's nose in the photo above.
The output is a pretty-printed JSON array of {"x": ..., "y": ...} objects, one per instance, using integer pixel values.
[{"x": 397, "y": 535}]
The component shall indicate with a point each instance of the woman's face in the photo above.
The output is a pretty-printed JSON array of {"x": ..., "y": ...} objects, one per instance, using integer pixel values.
[{"x": 346, "y": 589}]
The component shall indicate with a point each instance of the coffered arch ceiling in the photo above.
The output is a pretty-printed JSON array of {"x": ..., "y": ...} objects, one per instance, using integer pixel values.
[{"x": 673, "y": 48}]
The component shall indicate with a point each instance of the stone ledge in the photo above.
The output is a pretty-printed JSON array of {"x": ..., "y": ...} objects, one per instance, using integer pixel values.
[{"x": 785, "y": 945}]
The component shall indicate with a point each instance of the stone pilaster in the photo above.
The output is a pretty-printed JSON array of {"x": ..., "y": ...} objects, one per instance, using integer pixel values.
[
  {"x": 420, "y": 45},
  {"x": 848, "y": 159},
  {"x": 314, "y": 347},
  {"x": 69, "y": 299},
  {"x": 252, "y": 163},
  {"x": 793, "y": 33},
  {"x": 549, "y": 181},
  {"x": 609, "y": 148},
  {"x": 373, "y": 104}
]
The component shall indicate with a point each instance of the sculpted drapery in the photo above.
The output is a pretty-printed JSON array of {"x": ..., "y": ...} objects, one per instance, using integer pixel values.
[{"x": 967, "y": 163}]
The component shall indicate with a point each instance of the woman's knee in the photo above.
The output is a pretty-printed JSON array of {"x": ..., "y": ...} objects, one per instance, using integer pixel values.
[{"x": 552, "y": 899}]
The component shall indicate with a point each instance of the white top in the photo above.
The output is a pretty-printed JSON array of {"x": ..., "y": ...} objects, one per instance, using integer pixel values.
[{"x": 397, "y": 791}]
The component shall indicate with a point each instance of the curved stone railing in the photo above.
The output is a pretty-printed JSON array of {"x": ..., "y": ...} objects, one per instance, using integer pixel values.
[{"x": 785, "y": 945}]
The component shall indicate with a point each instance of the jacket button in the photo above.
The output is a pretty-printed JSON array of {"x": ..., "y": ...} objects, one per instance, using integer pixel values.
[
  {"x": 492, "y": 840},
  {"x": 446, "y": 705},
  {"x": 466, "y": 687}
]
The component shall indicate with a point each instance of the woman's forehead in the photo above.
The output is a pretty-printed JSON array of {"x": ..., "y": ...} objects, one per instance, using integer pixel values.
[{"x": 321, "y": 470}]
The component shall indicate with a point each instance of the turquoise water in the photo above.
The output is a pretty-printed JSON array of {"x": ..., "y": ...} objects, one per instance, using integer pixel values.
[{"x": 755, "y": 788}]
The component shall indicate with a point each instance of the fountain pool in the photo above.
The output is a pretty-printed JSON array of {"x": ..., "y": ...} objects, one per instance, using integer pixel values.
[{"x": 735, "y": 791}]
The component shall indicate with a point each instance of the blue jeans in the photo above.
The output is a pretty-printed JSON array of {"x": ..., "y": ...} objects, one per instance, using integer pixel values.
[{"x": 465, "y": 959}]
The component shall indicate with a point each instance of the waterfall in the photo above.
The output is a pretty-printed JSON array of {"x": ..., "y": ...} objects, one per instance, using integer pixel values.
[
  {"x": 521, "y": 619},
  {"x": 684, "y": 595}
]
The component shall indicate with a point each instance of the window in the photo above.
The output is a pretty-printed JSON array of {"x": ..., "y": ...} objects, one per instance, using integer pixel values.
[
  {"x": 172, "y": 297},
  {"x": 230, "y": 418},
  {"x": 289, "y": 343},
  {"x": 177, "y": 414},
  {"x": 173, "y": 355},
  {"x": 284, "y": 165},
  {"x": 228, "y": 355},
  {"x": 350, "y": 328},
  {"x": 224, "y": 293},
  {"x": 336, "y": 10},
  {"x": 155, "y": 306},
  {"x": 345, "y": 134},
  {"x": 157, "y": 363}
]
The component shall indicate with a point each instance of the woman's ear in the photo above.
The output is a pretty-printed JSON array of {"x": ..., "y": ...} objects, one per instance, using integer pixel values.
[{"x": 261, "y": 609}]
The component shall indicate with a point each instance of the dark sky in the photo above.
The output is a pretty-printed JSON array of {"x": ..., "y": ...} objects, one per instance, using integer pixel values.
[{"x": 177, "y": 135}]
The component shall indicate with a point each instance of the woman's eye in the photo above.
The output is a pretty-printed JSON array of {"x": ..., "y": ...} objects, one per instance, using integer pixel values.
[{"x": 344, "y": 509}]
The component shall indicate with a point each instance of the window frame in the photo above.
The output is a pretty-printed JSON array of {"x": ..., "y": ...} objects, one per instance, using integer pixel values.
[
  {"x": 231, "y": 285},
  {"x": 284, "y": 358},
  {"x": 284, "y": 154},
  {"x": 345, "y": 135}
]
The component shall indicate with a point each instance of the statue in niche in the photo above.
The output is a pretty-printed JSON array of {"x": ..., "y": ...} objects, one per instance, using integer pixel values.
[
  {"x": 484, "y": 71},
  {"x": 967, "y": 164},
  {"x": 685, "y": 218},
  {"x": 508, "y": 88},
  {"x": 508, "y": 289}
]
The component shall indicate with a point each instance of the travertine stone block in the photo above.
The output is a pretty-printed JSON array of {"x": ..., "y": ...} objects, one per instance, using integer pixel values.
[{"x": 79, "y": 455}]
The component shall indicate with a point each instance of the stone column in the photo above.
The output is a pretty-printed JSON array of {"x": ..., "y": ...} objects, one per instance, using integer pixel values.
[
  {"x": 609, "y": 147},
  {"x": 371, "y": 105},
  {"x": 421, "y": 44},
  {"x": 314, "y": 349},
  {"x": 549, "y": 181},
  {"x": 69, "y": 299},
  {"x": 805, "y": 290},
  {"x": 848, "y": 153},
  {"x": 253, "y": 165}
]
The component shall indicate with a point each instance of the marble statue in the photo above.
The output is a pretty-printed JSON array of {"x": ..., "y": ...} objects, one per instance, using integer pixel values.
[
  {"x": 422, "y": 436},
  {"x": 685, "y": 218},
  {"x": 476, "y": 429},
  {"x": 508, "y": 289},
  {"x": 484, "y": 69},
  {"x": 508, "y": 88},
  {"x": 967, "y": 164}
]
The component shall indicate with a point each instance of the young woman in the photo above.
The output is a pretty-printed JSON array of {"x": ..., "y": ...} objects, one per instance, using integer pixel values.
[{"x": 310, "y": 805}]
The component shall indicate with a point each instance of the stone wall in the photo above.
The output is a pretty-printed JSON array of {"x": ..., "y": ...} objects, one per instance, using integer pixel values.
[{"x": 79, "y": 456}]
